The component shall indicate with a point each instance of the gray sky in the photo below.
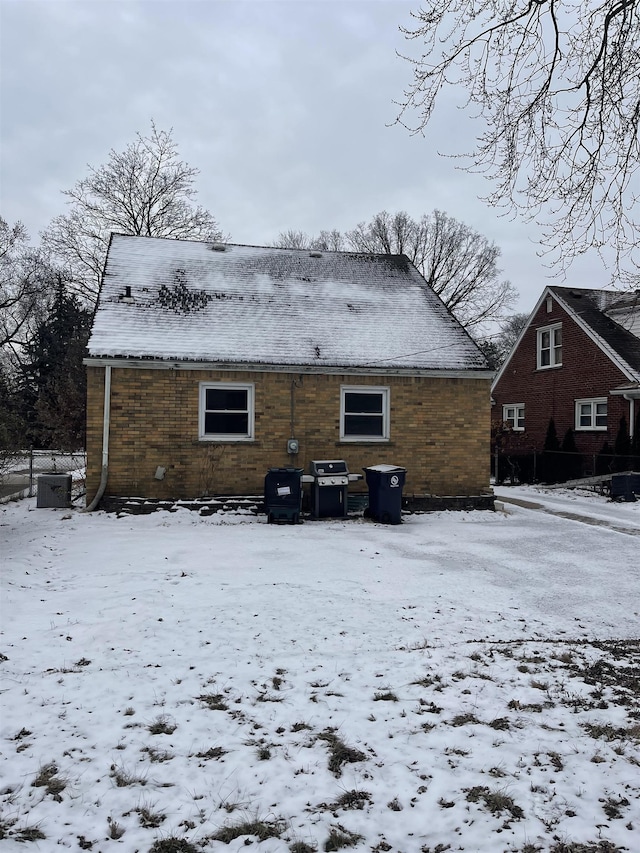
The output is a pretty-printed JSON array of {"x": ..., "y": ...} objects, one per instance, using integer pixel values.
[{"x": 286, "y": 108}]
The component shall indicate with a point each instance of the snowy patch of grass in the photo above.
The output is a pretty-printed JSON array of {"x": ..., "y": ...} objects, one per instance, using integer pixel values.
[
  {"x": 124, "y": 778},
  {"x": 339, "y": 752},
  {"x": 494, "y": 801},
  {"x": 158, "y": 756},
  {"x": 162, "y": 725},
  {"x": 260, "y": 829},
  {"x": 340, "y": 837},
  {"x": 213, "y": 752},
  {"x": 173, "y": 844},
  {"x": 149, "y": 818},
  {"x": 213, "y": 701},
  {"x": 47, "y": 778},
  {"x": 385, "y": 696}
]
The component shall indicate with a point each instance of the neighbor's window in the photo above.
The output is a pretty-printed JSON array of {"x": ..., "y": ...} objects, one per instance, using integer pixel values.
[
  {"x": 591, "y": 414},
  {"x": 513, "y": 416},
  {"x": 226, "y": 412},
  {"x": 550, "y": 346},
  {"x": 364, "y": 413}
]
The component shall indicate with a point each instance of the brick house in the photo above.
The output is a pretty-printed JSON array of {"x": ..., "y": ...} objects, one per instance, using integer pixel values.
[
  {"x": 205, "y": 360},
  {"x": 577, "y": 361}
]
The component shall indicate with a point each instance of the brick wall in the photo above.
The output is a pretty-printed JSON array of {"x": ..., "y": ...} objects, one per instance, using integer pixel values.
[
  {"x": 439, "y": 432},
  {"x": 585, "y": 373}
]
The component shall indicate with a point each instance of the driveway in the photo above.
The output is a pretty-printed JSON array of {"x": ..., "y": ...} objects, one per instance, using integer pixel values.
[
  {"x": 575, "y": 505},
  {"x": 13, "y": 484}
]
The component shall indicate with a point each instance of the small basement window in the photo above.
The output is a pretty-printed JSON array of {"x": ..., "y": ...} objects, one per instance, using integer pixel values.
[
  {"x": 591, "y": 414},
  {"x": 226, "y": 412},
  {"x": 364, "y": 413},
  {"x": 513, "y": 416}
]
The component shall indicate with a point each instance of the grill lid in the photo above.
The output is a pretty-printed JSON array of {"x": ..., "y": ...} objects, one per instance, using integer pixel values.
[{"x": 328, "y": 467}]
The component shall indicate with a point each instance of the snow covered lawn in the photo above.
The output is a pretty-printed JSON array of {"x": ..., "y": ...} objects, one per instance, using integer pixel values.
[{"x": 463, "y": 681}]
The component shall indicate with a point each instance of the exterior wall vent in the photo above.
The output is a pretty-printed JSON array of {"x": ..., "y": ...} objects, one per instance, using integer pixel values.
[
  {"x": 218, "y": 247},
  {"x": 315, "y": 254}
]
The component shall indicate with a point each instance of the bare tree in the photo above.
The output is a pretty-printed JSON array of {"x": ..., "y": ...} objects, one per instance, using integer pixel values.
[
  {"x": 554, "y": 87},
  {"x": 325, "y": 241},
  {"x": 25, "y": 281},
  {"x": 497, "y": 347},
  {"x": 145, "y": 190},
  {"x": 510, "y": 332},
  {"x": 458, "y": 263},
  {"x": 25, "y": 287},
  {"x": 293, "y": 240}
]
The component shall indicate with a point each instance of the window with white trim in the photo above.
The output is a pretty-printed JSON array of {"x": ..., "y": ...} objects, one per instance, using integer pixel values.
[
  {"x": 513, "y": 416},
  {"x": 549, "y": 350},
  {"x": 226, "y": 411},
  {"x": 364, "y": 413},
  {"x": 591, "y": 414}
]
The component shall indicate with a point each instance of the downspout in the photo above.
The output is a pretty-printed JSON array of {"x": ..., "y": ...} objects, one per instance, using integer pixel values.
[
  {"x": 632, "y": 414},
  {"x": 105, "y": 441}
]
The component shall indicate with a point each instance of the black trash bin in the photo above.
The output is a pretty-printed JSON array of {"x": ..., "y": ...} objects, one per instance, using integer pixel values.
[
  {"x": 385, "y": 484},
  {"x": 625, "y": 487},
  {"x": 283, "y": 494}
]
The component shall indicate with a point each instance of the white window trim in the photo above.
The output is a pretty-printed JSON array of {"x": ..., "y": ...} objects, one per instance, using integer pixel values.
[
  {"x": 366, "y": 389},
  {"x": 516, "y": 407},
  {"x": 592, "y": 401},
  {"x": 249, "y": 387},
  {"x": 552, "y": 363}
]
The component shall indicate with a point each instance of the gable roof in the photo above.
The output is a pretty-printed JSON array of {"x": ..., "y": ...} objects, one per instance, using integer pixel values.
[
  {"x": 610, "y": 318},
  {"x": 250, "y": 305}
]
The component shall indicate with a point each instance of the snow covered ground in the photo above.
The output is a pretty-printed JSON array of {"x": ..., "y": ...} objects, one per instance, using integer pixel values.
[{"x": 464, "y": 681}]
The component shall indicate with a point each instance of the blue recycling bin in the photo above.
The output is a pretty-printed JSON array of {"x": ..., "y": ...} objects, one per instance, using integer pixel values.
[
  {"x": 283, "y": 494},
  {"x": 385, "y": 483}
]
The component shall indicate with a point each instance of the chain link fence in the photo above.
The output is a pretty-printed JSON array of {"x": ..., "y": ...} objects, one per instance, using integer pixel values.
[
  {"x": 557, "y": 466},
  {"x": 19, "y": 472}
]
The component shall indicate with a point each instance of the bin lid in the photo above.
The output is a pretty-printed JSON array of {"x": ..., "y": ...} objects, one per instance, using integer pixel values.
[{"x": 384, "y": 469}]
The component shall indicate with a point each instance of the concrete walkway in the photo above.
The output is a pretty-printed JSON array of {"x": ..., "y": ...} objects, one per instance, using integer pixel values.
[{"x": 618, "y": 517}]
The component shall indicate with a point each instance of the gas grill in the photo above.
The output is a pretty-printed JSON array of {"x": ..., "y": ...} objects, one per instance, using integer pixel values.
[{"x": 329, "y": 480}]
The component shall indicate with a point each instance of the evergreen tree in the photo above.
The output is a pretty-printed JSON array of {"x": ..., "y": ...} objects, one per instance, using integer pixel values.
[
  {"x": 11, "y": 426},
  {"x": 53, "y": 377},
  {"x": 550, "y": 456},
  {"x": 635, "y": 445},
  {"x": 604, "y": 460},
  {"x": 622, "y": 447},
  {"x": 571, "y": 461}
]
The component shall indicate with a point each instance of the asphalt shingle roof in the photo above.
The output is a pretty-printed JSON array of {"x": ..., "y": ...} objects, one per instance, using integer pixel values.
[
  {"x": 253, "y": 305},
  {"x": 597, "y": 308}
]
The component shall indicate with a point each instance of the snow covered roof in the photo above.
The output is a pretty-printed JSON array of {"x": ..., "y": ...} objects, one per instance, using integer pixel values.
[{"x": 182, "y": 300}]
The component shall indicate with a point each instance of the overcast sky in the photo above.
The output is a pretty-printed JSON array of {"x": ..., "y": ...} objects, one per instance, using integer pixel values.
[{"x": 286, "y": 108}]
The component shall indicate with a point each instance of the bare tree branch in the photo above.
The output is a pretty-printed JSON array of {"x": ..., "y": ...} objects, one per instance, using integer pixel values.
[
  {"x": 554, "y": 84},
  {"x": 25, "y": 281},
  {"x": 145, "y": 190}
]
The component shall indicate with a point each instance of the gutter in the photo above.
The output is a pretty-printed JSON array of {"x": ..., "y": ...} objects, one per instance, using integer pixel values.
[
  {"x": 137, "y": 363},
  {"x": 105, "y": 441}
]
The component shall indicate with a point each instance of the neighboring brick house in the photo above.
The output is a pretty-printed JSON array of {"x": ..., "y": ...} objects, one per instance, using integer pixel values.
[
  {"x": 577, "y": 361},
  {"x": 205, "y": 359}
]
